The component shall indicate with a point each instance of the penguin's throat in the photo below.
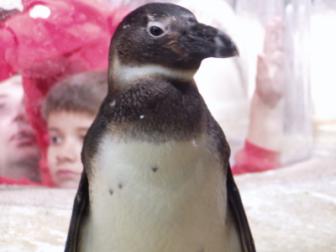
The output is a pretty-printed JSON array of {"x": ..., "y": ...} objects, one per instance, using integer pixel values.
[{"x": 126, "y": 74}]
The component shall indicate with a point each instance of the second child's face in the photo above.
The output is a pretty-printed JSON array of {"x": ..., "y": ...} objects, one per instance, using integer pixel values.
[
  {"x": 66, "y": 133},
  {"x": 19, "y": 153}
]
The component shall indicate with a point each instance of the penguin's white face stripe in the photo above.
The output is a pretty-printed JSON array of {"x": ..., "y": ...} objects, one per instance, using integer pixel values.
[
  {"x": 144, "y": 196},
  {"x": 127, "y": 74}
]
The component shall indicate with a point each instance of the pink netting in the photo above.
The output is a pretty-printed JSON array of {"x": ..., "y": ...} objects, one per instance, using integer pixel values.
[{"x": 75, "y": 37}]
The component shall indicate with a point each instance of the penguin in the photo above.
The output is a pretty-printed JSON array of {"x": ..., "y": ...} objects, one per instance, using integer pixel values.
[{"x": 156, "y": 164}]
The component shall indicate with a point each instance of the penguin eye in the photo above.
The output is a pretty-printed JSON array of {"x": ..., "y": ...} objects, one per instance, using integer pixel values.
[{"x": 155, "y": 30}]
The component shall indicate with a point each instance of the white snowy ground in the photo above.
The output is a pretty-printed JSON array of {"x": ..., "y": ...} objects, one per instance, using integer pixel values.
[{"x": 290, "y": 209}]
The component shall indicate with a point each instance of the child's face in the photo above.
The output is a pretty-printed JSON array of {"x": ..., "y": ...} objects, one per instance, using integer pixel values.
[
  {"x": 66, "y": 133},
  {"x": 18, "y": 150}
]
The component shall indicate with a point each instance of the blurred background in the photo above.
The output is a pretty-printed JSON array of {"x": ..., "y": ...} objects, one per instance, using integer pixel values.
[{"x": 277, "y": 95}]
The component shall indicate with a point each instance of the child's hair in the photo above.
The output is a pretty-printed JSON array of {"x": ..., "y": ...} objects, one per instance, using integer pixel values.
[{"x": 82, "y": 92}]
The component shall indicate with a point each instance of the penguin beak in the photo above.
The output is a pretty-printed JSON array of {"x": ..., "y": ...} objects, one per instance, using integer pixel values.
[
  {"x": 202, "y": 41},
  {"x": 224, "y": 46}
]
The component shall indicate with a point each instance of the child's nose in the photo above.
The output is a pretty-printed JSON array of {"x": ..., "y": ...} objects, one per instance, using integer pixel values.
[
  {"x": 20, "y": 116},
  {"x": 66, "y": 157},
  {"x": 68, "y": 153}
]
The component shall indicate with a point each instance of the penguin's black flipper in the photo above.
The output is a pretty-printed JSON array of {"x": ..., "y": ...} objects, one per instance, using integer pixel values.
[
  {"x": 237, "y": 209},
  {"x": 79, "y": 210},
  {"x": 235, "y": 204}
]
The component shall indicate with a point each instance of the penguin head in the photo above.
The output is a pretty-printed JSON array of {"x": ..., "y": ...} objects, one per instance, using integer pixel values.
[{"x": 165, "y": 37}]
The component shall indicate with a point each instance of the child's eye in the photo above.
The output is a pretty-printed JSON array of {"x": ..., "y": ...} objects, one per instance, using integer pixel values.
[
  {"x": 81, "y": 134},
  {"x": 81, "y": 138},
  {"x": 55, "y": 140}
]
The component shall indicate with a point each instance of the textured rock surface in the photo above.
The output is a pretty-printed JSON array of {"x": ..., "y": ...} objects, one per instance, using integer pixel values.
[
  {"x": 293, "y": 209},
  {"x": 290, "y": 209}
]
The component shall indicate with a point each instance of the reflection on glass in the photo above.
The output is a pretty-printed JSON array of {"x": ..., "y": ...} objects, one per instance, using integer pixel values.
[{"x": 18, "y": 149}]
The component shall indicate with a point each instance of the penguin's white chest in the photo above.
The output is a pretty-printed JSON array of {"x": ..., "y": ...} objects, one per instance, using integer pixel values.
[{"x": 146, "y": 197}]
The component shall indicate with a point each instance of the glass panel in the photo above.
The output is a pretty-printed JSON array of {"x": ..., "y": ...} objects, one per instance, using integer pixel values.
[
  {"x": 323, "y": 78},
  {"x": 260, "y": 98},
  {"x": 283, "y": 28}
]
